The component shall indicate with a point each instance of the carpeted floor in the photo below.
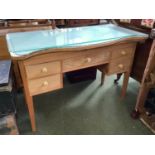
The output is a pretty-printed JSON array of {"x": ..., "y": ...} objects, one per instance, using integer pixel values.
[{"x": 84, "y": 108}]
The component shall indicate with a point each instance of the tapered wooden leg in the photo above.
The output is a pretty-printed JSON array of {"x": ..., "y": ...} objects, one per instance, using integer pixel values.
[
  {"x": 102, "y": 78},
  {"x": 29, "y": 101},
  {"x": 28, "y": 97},
  {"x": 125, "y": 84},
  {"x": 32, "y": 115}
]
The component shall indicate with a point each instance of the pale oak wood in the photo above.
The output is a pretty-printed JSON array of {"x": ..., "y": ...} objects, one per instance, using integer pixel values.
[
  {"x": 125, "y": 84},
  {"x": 119, "y": 65},
  {"x": 86, "y": 59},
  {"x": 43, "y": 69},
  {"x": 123, "y": 52},
  {"x": 111, "y": 44},
  {"x": 45, "y": 84},
  {"x": 75, "y": 57},
  {"x": 28, "y": 97}
]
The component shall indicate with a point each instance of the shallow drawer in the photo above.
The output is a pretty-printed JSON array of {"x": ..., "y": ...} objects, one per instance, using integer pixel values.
[
  {"x": 87, "y": 59},
  {"x": 46, "y": 84},
  {"x": 122, "y": 52},
  {"x": 41, "y": 70},
  {"x": 119, "y": 65}
]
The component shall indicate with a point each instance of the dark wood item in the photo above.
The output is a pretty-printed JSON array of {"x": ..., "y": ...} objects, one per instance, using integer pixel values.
[
  {"x": 81, "y": 22},
  {"x": 148, "y": 83},
  {"x": 60, "y": 22},
  {"x": 21, "y": 23},
  {"x": 143, "y": 70},
  {"x": 142, "y": 50}
]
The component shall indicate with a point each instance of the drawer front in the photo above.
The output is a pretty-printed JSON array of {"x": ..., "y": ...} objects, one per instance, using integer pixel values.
[
  {"x": 45, "y": 84},
  {"x": 122, "y": 52},
  {"x": 87, "y": 59},
  {"x": 41, "y": 70},
  {"x": 119, "y": 65}
]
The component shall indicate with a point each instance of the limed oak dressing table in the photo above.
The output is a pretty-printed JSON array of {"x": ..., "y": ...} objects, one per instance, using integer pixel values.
[{"x": 43, "y": 56}]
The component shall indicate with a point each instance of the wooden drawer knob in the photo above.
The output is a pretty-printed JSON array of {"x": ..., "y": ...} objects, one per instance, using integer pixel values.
[
  {"x": 89, "y": 59},
  {"x": 121, "y": 66},
  {"x": 44, "y": 70},
  {"x": 123, "y": 52},
  {"x": 45, "y": 83}
]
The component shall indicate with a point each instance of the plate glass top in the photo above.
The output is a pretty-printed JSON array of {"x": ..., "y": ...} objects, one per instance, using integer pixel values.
[{"x": 22, "y": 43}]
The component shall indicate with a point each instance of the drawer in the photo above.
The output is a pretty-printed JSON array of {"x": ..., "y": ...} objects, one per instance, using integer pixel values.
[
  {"x": 44, "y": 69},
  {"x": 119, "y": 65},
  {"x": 87, "y": 59},
  {"x": 122, "y": 52},
  {"x": 45, "y": 84}
]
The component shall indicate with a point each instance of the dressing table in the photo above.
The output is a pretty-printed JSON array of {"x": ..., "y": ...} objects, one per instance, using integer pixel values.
[{"x": 44, "y": 56}]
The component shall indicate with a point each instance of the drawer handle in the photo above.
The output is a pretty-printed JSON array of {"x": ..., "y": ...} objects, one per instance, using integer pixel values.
[
  {"x": 121, "y": 66},
  {"x": 88, "y": 59},
  {"x": 123, "y": 52},
  {"x": 45, "y": 83},
  {"x": 44, "y": 70}
]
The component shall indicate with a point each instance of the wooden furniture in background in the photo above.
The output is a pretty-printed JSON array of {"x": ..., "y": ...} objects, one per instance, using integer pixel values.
[
  {"x": 60, "y": 22},
  {"x": 143, "y": 52},
  {"x": 147, "y": 83},
  {"x": 81, "y": 22},
  {"x": 142, "y": 49},
  {"x": 143, "y": 69}
]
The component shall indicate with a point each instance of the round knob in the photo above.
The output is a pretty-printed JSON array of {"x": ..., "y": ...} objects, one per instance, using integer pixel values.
[
  {"x": 123, "y": 52},
  {"x": 45, "y": 83},
  {"x": 88, "y": 59},
  {"x": 121, "y": 66},
  {"x": 44, "y": 70}
]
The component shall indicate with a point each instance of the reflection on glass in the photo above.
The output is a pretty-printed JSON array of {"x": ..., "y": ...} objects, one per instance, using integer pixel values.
[{"x": 27, "y": 42}]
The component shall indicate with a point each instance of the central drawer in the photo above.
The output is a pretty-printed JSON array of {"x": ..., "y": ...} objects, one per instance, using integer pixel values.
[
  {"x": 87, "y": 59},
  {"x": 45, "y": 84},
  {"x": 44, "y": 69}
]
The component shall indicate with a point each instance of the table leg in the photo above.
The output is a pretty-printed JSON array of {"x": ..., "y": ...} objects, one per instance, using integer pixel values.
[
  {"x": 125, "y": 84},
  {"x": 29, "y": 101},
  {"x": 102, "y": 78},
  {"x": 28, "y": 97}
]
